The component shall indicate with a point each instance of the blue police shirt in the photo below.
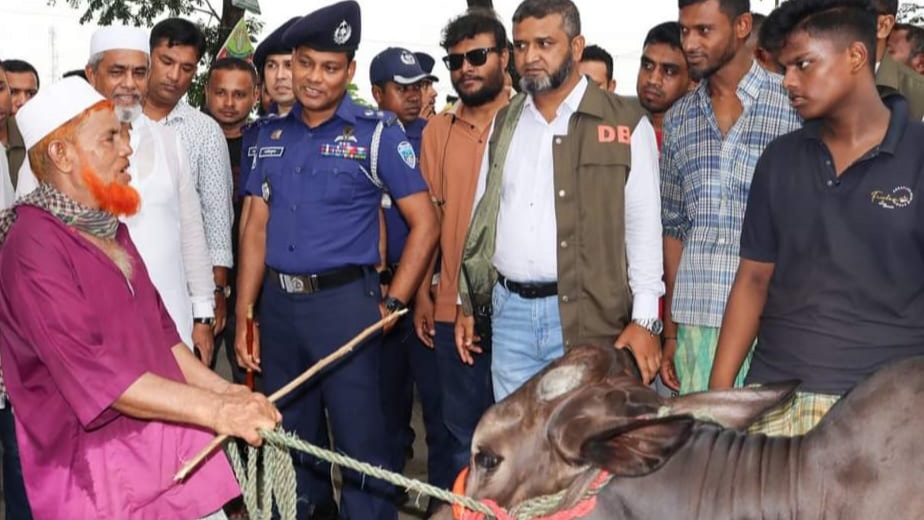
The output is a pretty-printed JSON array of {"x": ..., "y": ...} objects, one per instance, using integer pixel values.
[
  {"x": 396, "y": 226},
  {"x": 323, "y": 210},
  {"x": 249, "y": 151}
]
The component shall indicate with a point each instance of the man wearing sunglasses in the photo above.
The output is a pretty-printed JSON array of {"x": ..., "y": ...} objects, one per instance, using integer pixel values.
[
  {"x": 450, "y": 158},
  {"x": 565, "y": 243}
]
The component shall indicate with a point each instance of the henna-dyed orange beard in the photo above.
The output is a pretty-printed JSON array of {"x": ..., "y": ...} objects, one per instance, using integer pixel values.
[{"x": 113, "y": 197}]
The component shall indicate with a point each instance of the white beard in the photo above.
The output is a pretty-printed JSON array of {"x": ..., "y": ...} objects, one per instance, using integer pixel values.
[{"x": 128, "y": 113}]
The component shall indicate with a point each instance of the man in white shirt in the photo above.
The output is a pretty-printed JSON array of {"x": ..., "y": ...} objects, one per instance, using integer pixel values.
[
  {"x": 168, "y": 229},
  {"x": 573, "y": 231},
  {"x": 177, "y": 46}
]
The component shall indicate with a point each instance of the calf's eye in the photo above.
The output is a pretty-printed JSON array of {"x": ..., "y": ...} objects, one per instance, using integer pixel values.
[{"x": 487, "y": 460}]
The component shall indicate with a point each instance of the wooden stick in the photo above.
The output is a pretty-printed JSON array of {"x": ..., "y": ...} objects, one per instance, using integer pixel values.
[
  {"x": 292, "y": 385},
  {"x": 250, "y": 381}
]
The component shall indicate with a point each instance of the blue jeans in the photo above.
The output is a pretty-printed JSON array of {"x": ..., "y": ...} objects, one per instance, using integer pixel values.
[
  {"x": 14, "y": 489},
  {"x": 527, "y": 337},
  {"x": 465, "y": 391}
]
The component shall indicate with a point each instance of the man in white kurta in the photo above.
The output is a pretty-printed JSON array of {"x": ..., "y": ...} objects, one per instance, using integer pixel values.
[{"x": 168, "y": 230}]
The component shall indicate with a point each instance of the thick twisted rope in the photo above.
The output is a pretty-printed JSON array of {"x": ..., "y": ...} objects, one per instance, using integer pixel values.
[
  {"x": 278, "y": 481},
  {"x": 278, "y": 442}
]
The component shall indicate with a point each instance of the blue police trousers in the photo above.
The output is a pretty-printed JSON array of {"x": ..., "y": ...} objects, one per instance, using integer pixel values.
[
  {"x": 406, "y": 362},
  {"x": 296, "y": 331}
]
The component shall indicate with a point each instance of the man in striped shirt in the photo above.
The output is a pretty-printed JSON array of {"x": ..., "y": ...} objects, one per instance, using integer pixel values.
[{"x": 712, "y": 140}]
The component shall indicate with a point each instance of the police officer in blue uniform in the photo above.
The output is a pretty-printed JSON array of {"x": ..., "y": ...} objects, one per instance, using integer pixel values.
[
  {"x": 271, "y": 46},
  {"x": 272, "y": 52},
  {"x": 310, "y": 244},
  {"x": 397, "y": 77}
]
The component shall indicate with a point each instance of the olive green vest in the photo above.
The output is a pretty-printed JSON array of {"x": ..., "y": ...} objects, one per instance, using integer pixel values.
[{"x": 591, "y": 167}]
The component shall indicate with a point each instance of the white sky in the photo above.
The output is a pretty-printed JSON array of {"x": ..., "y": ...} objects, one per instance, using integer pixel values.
[{"x": 51, "y": 38}]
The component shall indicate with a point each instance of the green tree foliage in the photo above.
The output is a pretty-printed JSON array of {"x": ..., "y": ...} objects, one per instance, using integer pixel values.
[
  {"x": 142, "y": 14},
  {"x": 353, "y": 91},
  {"x": 911, "y": 12}
]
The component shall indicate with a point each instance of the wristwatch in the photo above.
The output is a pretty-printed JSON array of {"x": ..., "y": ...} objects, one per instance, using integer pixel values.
[
  {"x": 393, "y": 304},
  {"x": 204, "y": 321},
  {"x": 223, "y": 289},
  {"x": 654, "y": 326}
]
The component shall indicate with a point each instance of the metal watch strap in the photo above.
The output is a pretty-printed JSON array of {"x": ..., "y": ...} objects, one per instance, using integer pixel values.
[{"x": 652, "y": 325}]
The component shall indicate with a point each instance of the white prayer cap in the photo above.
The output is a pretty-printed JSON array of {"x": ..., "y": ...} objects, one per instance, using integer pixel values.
[
  {"x": 119, "y": 37},
  {"x": 53, "y": 106}
]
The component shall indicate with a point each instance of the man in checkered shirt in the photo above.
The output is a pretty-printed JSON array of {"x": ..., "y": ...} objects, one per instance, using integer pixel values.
[{"x": 712, "y": 140}]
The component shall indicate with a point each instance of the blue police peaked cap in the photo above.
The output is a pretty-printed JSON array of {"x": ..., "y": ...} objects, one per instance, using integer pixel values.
[
  {"x": 395, "y": 64},
  {"x": 426, "y": 63},
  {"x": 335, "y": 28},
  {"x": 272, "y": 44}
]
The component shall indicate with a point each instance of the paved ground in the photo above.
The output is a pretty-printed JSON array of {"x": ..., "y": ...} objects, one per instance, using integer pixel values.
[{"x": 416, "y": 468}]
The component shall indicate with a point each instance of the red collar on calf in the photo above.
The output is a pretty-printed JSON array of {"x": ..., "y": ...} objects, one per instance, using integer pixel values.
[{"x": 582, "y": 508}]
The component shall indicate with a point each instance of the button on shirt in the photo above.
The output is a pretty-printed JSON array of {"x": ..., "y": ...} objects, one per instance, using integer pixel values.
[
  {"x": 527, "y": 238},
  {"x": 323, "y": 207},
  {"x": 211, "y": 168},
  {"x": 705, "y": 180}
]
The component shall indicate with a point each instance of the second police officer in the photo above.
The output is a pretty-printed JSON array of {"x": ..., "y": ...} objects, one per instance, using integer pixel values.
[
  {"x": 310, "y": 244},
  {"x": 397, "y": 86}
]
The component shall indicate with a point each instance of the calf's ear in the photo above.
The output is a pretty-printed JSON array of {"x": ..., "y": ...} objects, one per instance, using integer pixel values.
[
  {"x": 595, "y": 409},
  {"x": 734, "y": 408},
  {"x": 637, "y": 448}
]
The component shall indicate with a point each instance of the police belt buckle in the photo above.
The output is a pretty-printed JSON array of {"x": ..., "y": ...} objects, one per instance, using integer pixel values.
[{"x": 299, "y": 284}]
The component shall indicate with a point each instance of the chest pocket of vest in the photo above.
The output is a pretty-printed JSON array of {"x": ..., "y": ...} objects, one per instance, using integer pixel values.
[{"x": 603, "y": 170}]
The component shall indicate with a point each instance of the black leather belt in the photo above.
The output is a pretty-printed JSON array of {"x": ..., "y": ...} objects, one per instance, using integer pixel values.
[
  {"x": 388, "y": 274},
  {"x": 312, "y": 283},
  {"x": 530, "y": 291}
]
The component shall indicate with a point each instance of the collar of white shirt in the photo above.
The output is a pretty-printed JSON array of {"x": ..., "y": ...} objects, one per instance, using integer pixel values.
[
  {"x": 569, "y": 105},
  {"x": 180, "y": 112}
]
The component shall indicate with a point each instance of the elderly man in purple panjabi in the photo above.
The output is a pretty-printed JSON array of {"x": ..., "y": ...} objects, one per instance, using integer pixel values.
[{"x": 109, "y": 402}]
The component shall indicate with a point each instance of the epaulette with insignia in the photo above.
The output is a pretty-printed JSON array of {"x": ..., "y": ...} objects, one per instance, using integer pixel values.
[
  {"x": 389, "y": 118},
  {"x": 260, "y": 122}
]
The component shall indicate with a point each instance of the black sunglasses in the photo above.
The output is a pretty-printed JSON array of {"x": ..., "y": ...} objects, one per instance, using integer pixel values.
[{"x": 477, "y": 57}]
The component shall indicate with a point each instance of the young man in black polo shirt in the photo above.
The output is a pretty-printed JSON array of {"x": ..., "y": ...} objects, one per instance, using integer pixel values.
[{"x": 831, "y": 279}]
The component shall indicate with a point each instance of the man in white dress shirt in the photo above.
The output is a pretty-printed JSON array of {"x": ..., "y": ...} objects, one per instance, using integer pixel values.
[
  {"x": 565, "y": 243},
  {"x": 168, "y": 230},
  {"x": 177, "y": 45}
]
